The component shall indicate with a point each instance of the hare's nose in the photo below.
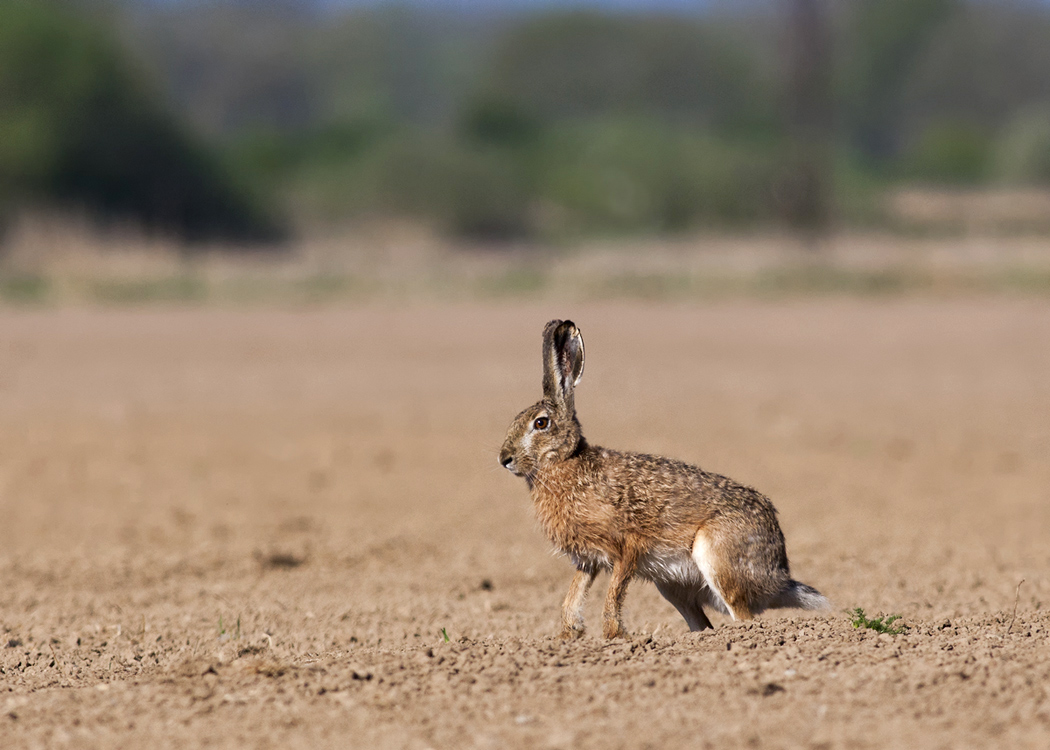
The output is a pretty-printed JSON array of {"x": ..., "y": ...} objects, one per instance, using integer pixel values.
[{"x": 505, "y": 460}]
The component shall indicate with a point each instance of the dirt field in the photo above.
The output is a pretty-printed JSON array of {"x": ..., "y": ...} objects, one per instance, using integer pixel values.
[{"x": 226, "y": 528}]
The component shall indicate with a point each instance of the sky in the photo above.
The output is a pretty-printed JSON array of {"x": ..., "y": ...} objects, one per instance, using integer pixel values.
[
  {"x": 489, "y": 5},
  {"x": 621, "y": 4},
  {"x": 681, "y": 5}
]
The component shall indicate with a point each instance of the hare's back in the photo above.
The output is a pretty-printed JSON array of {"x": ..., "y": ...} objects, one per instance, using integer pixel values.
[{"x": 683, "y": 491}]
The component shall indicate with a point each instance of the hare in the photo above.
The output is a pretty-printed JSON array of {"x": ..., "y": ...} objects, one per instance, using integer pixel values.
[{"x": 703, "y": 539}]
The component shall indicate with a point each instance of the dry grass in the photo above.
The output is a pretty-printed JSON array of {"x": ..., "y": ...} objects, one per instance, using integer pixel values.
[
  {"x": 978, "y": 210},
  {"x": 54, "y": 263}
]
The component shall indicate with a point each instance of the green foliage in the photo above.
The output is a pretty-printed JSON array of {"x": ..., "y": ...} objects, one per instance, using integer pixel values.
[
  {"x": 497, "y": 121},
  {"x": 468, "y": 192},
  {"x": 444, "y": 635},
  {"x": 180, "y": 288},
  {"x": 273, "y": 157},
  {"x": 80, "y": 126},
  {"x": 23, "y": 288},
  {"x": 566, "y": 65},
  {"x": 950, "y": 152},
  {"x": 985, "y": 65},
  {"x": 462, "y": 189},
  {"x": 878, "y": 624},
  {"x": 499, "y": 178},
  {"x": 646, "y": 176},
  {"x": 883, "y": 41},
  {"x": 1022, "y": 153},
  {"x": 583, "y": 122},
  {"x": 553, "y": 124}
]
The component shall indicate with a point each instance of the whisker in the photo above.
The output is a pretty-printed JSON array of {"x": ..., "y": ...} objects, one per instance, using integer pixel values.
[{"x": 535, "y": 477}]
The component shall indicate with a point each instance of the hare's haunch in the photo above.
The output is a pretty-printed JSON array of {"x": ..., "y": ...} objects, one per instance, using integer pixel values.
[{"x": 701, "y": 538}]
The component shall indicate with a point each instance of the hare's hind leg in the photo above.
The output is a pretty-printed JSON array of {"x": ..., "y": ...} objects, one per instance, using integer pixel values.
[
  {"x": 726, "y": 593},
  {"x": 572, "y": 609},
  {"x": 686, "y": 601}
]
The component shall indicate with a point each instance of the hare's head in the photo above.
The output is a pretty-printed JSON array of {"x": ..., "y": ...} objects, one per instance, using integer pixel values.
[{"x": 548, "y": 431}]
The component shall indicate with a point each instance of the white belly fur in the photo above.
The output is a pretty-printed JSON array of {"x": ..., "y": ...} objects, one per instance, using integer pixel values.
[{"x": 671, "y": 566}]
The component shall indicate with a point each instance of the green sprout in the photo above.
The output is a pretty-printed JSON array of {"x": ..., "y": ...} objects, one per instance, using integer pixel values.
[
  {"x": 882, "y": 624},
  {"x": 222, "y": 629}
]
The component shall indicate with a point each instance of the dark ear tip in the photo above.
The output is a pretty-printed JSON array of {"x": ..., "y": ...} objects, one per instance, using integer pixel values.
[{"x": 559, "y": 327}]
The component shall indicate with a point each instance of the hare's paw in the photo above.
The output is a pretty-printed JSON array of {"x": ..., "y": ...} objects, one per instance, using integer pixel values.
[
  {"x": 612, "y": 630},
  {"x": 571, "y": 634}
]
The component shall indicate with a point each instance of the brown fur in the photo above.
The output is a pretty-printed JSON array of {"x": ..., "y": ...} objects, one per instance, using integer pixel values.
[{"x": 636, "y": 514}]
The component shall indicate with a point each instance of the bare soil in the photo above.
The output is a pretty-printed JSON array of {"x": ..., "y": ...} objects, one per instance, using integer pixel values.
[{"x": 226, "y": 528}]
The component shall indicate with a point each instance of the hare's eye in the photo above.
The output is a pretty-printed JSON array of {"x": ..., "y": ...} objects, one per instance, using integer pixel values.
[{"x": 541, "y": 423}]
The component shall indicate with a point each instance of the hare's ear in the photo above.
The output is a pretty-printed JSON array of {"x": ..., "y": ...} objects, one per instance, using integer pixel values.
[{"x": 563, "y": 358}]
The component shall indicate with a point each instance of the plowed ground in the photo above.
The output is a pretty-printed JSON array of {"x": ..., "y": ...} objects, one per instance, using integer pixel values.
[{"x": 247, "y": 528}]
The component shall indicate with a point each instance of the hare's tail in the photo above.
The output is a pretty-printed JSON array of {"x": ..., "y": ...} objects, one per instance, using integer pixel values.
[{"x": 800, "y": 596}]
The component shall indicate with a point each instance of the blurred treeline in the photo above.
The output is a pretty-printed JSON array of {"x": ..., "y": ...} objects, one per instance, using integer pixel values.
[{"x": 243, "y": 119}]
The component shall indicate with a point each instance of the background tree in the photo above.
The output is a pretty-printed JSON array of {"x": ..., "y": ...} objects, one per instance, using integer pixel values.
[{"x": 81, "y": 126}]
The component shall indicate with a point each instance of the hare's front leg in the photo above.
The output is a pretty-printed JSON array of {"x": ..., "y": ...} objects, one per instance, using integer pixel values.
[
  {"x": 622, "y": 572},
  {"x": 572, "y": 609}
]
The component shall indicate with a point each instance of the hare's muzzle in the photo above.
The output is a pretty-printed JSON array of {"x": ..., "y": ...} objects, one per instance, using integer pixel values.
[{"x": 506, "y": 459}]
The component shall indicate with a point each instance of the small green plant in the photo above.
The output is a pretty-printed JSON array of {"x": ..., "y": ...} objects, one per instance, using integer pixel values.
[
  {"x": 882, "y": 624},
  {"x": 222, "y": 630},
  {"x": 444, "y": 634}
]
